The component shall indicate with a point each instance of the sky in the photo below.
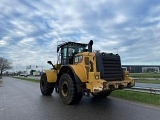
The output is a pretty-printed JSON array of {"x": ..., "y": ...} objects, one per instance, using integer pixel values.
[{"x": 30, "y": 29}]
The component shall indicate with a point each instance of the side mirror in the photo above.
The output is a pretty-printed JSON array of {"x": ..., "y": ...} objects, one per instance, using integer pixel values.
[
  {"x": 49, "y": 62},
  {"x": 90, "y": 46}
]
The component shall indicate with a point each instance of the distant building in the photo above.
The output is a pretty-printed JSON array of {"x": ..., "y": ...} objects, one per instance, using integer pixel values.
[{"x": 141, "y": 68}]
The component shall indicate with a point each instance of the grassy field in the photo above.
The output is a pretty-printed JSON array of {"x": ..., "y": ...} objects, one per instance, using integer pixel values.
[
  {"x": 145, "y": 75},
  {"x": 0, "y": 81},
  {"x": 148, "y": 81},
  {"x": 137, "y": 97}
]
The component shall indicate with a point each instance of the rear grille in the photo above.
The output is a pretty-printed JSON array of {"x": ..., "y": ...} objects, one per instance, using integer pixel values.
[{"x": 109, "y": 66}]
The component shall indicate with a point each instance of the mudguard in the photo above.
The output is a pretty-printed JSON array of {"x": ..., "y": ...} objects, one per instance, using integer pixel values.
[
  {"x": 51, "y": 76},
  {"x": 78, "y": 71}
]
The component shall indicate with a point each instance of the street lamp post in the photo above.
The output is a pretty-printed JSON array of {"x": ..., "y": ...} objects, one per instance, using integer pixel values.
[{"x": 26, "y": 66}]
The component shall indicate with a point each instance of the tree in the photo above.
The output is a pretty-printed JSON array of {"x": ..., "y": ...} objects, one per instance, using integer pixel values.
[{"x": 5, "y": 64}]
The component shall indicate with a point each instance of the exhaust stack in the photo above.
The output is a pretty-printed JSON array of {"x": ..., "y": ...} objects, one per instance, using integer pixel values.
[{"x": 90, "y": 46}]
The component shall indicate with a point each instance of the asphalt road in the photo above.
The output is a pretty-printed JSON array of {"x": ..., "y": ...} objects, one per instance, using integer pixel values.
[{"x": 22, "y": 100}]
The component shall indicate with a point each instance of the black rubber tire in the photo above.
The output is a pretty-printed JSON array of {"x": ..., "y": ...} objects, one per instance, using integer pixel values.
[
  {"x": 68, "y": 90},
  {"x": 46, "y": 88},
  {"x": 102, "y": 95}
]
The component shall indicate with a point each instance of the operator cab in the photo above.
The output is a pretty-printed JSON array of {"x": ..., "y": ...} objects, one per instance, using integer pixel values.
[{"x": 67, "y": 51}]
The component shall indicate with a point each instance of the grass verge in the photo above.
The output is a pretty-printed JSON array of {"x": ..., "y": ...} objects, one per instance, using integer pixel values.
[
  {"x": 145, "y": 75},
  {"x": 147, "y": 81},
  {"x": 27, "y": 79},
  {"x": 137, "y": 97},
  {"x": 0, "y": 82}
]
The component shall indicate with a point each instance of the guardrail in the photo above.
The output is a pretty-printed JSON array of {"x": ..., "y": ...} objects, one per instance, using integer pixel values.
[{"x": 145, "y": 90}]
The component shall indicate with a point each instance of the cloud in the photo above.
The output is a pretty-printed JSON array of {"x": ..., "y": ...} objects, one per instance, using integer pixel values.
[
  {"x": 27, "y": 41},
  {"x": 120, "y": 18},
  {"x": 30, "y": 30},
  {"x": 2, "y": 42}
]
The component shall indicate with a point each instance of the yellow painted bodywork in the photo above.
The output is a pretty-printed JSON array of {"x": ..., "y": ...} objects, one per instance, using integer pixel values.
[
  {"x": 51, "y": 75},
  {"x": 127, "y": 78},
  {"x": 100, "y": 85},
  {"x": 91, "y": 78},
  {"x": 80, "y": 72}
]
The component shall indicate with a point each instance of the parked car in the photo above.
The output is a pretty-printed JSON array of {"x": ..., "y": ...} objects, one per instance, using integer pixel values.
[{"x": 25, "y": 75}]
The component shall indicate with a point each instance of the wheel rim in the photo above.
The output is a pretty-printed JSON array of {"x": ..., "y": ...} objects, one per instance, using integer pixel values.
[{"x": 65, "y": 89}]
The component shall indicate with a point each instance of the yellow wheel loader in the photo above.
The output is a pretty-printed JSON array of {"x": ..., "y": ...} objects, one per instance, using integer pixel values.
[{"x": 80, "y": 71}]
